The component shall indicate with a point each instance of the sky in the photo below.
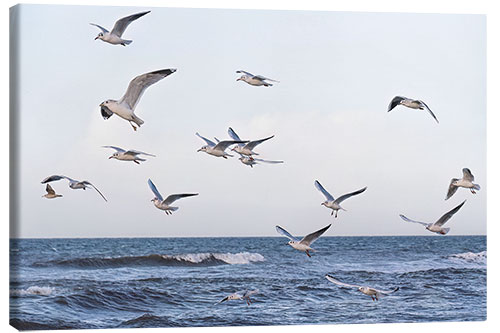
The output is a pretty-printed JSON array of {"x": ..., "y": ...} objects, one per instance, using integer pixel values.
[{"x": 338, "y": 72}]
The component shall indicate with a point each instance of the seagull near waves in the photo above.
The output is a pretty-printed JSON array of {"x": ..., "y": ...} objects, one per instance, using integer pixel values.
[
  {"x": 245, "y": 149},
  {"x": 372, "y": 292},
  {"x": 127, "y": 155},
  {"x": 219, "y": 149},
  {"x": 165, "y": 204},
  {"x": 51, "y": 194},
  {"x": 437, "y": 226},
  {"x": 255, "y": 80},
  {"x": 115, "y": 36},
  {"x": 245, "y": 295},
  {"x": 465, "y": 182},
  {"x": 303, "y": 244},
  {"x": 126, "y": 105},
  {"x": 334, "y": 204},
  {"x": 74, "y": 184},
  {"x": 412, "y": 104}
]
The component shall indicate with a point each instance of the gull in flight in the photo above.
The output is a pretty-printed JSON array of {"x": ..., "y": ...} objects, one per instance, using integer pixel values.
[
  {"x": 127, "y": 155},
  {"x": 255, "y": 80},
  {"x": 240, "y": 296},
  {"x": 164, "y": 205},
  {"x": 437, "y": 226},
  {"x": 372, "y": 292},
  {"x": 410, "y": 103},
  {"x": 245, "y": 149},
  {"x": 126, "y": 105},
  {"x": 74, "y": 184},
  {"x": 465, "y": 182},
  {"x": 51, "y": 194},
  {"x": 251, "y": 161},
  {"x": 304, "y": 243},
  {"x": 218, "y": 149},
  {"x": 114, "y": 37},
  {"x": 332, "y": 203}
]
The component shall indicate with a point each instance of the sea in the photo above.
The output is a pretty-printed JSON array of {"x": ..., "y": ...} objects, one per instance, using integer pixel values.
[{"x": 177, "y": 282}]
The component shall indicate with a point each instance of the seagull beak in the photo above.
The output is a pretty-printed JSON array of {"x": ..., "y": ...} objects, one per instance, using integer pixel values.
[
  {"x": 96, "y": 38},
  {"x": 198, "y": 150},
  {"x": 110, "y": 157},
  {"x": 238, "y": 79},
  {"x": 101, "y": 104}
]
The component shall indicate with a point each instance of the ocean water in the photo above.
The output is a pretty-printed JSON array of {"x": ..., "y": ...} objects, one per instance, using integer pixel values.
[{"x": 165, "y": 282}]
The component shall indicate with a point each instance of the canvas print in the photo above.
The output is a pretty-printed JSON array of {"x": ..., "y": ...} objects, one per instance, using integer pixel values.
[{"x": 214, "y": 167}]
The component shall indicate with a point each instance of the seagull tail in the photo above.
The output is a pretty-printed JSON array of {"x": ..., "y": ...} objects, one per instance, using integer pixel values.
[
  {"x": 137, "y": 120},
  {"x": 477, "y": 187},
  {"x": 126, "y": 42},
  {"x": 445, "y": 230}
]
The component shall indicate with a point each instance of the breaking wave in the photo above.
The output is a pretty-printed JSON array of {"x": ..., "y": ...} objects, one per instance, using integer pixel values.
[
  {"x": 34, "y": 290},
  {"x": 472, "y": 257}
]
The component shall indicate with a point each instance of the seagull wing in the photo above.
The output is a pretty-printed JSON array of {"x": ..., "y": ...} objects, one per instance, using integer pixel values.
[
  {"x": 340, "y": 284},
  {"x": 395, "y": 102},
  {"x": 137, "y": 152},
  {"x": 386, "y": 292},
  {"x": 429, "y": 110},
  {"x": 249, "y": 293},
  {"x": 413, "y": 221},
  {"x": 104, "y": 30},
  {"x": 95, "y": 188},
  {"x": 222, "y": 300},
  {"x": 285, "y": 233},
  {"x": 233, "y": 134},
  {"x": 123, "y": 23},
  {"x": 467, "y": 174},
  {"x": 311, "y": 238},
  {"x": 56, "y": 178},
  {"x": 224, "y": 144},
  {"x": 173, "y": 197},
  {"x": 348, "y": 195},
  {"x": 208, "y": 142},
  {"x": 443, "y": 219},
  {"x": 49, "y": 189},
  {"x": 247, "y": 73},
  {"x": 252, "y": 144},
  {"x": 263, "y": 78},
  {"x": 267, "y": 161},
  {"x": 451, "y": 189},
  {"x": 118, "y": 149},
  {"x": 140, "y": 83},
  {"x": 155, "y": 190},
  {"x": 320, "y": 187}
]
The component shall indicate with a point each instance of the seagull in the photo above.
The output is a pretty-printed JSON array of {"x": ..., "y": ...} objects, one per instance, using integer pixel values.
[
  {"x": 127, "y": 155},
  {"x": 126, "y": 105},
  {"x": 51, "y": 194},
  {"x": 437, "y": 226},
  {"x": 251, "y": 161},
  {"x": 240, "y": 296},
  {"x": 74, "y": 184},
  {"x": 331, "y": 202},
  {"x": 245, "y": 149},
  {"x": 255, "y": 80},
  {"x": 217, "y": 149},
  {"x": 304, "y": 243},
  {"x": 114, "y": 37},
  {"x": 410, "y": 103},
  {"x": 372, "y": 292},
  {"x": 465, "y": 182},
  {"x": 165, "y": 204}
]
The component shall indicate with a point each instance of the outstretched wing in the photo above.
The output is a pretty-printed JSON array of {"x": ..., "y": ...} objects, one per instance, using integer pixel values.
[
  {"x": 348, "y": 195},
  {"x": 395, "y": 102},
  {"x": 413, "y": 221},
  {"x": 429, "y": 110},
  {"x": 320, "y": 187},
  {"x": 118, "y": 149},
  {"x": 311, "y": 238},
  {"x": 249, "y": 293},
  {"x": 137, "y": 152},
  {"x": 155, "y": 190},
  {"x": 468, "y": 174},
  {"x": 222, "y": 300},
  {"x": 208, "y": 142},
  {"x": 443, "y": 219},
  {"x": 386, "y": 292},
  {"x": 233, "y": 134},
  {"x": 247, "y": 73},
  {"x": 252, "y": 144},
  {"x": 54, "y": 178},
  {"x": 222, "y": 145},
  {"x": 95, "y": 188},
  {"x": 340, "y": 284},
  {"x": 173, "y": 197},
  {"x": 267, "y": 161},
  {"x": 104, "y": 30},
  {"x": 285, "y": 233},
  {"x": 49, "y": 189},
  {"x": 263, "y": 78},
  {"x": 451, "y": 189},
  {"x": 124, "y": 22}
]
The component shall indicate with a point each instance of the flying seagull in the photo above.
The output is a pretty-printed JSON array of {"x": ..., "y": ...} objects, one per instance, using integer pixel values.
[
  {"x": 74, "y": 184},
  {"x": 245, "y": 149},
  {"x": 251, "y": 161},
  {"x": 332, "y": 203},
  {"x": 51, "y": 194},
  {"x": 437, "y": 226},
  {"x": 218, "y": 149},
  {"x": 126, "y": 105},
  {"x": 410, "y": 103},
  {"x": 164, "y": 205},
  {"x": 465, "y": 182},
  {"x": 255, "y": 80},
  {"x": 304, "y": 243},
  {"x": 114, "y": 37},
  {"x": 240, "y": 296},
  {"x": 372, "y": 292},
  {"x": 127, "y": 155}
]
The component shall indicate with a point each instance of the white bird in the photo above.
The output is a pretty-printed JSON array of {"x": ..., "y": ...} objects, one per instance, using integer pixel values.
[
  {"x": 218, "y": 149},
  {"x": 245, "y": 149},
  {"x": 251, "y": 161},
  {"x": 437, "y": 226},
  {"x": 126, "y": 105},
  {"x": 334, "y": 204},
  {"x": 127, "y": 155},
  {"x": 74, "y": 184},
  {"x": 255, "y": 80},
  {"x": 114, "y": 37},
  {"x": 303, "y": 244},
  {"x": 51, "y": 194},
  {"x": 410, "y": 103},
  {"x": 240, "y": 296},
  {"x": 372, "y": 292},
  {"x": 465, "y": 182},
  {"x": 165, "y": 205}
]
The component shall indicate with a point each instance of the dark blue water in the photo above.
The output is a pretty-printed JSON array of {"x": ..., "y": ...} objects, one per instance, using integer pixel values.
[{"x": 138, "y": 282}]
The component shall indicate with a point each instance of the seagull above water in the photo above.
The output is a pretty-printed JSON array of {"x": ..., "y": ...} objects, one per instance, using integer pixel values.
[
  {"x": 127, "y": 155},
  {"x": 334, "y": 204},
  {"x": 251, "y": 161},
  {"x": 74, "y": 184},
  {"x": 255, "y": 80},
  {"x": 164, "y": 205},
  {"x": 304, "y": 243},
  {"x": 437, "y": 226},
  {"x": 51, "y": 194},
  {"x": 114, "y": 37},
  {"x": 465, "y": 182},
  {"x": 240, "y": 296},
  {"x": 412, "y": 104},
  {"x": 126, "y": 105},
  {"x": 218, "y": 149},
  {"x": 245, "y": 149},
  {"x": 372, "y": 292}
]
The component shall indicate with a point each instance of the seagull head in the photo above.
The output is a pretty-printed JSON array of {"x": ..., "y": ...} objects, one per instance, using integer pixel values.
[
  {"x": 242, "y": 78},
  {"x": 291, "y": 243},
  {"x": 115, "y": 155},
  {"x": 204, "y": 148},
  {"x": 99, "y": 36},
  {"x": 324, "y": 203}
]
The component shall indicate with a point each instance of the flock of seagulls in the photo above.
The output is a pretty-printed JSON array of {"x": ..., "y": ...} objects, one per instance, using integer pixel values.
[{"x": 125, "y": 109}]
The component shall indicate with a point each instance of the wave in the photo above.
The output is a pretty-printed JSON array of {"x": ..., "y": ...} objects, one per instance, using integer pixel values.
[
  {"x": 479, "y": 257},
  {"x": 33, "y": 290}
]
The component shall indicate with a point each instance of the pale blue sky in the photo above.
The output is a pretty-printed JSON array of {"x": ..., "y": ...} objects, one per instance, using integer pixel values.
[{"x": 338, "y": 72}]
